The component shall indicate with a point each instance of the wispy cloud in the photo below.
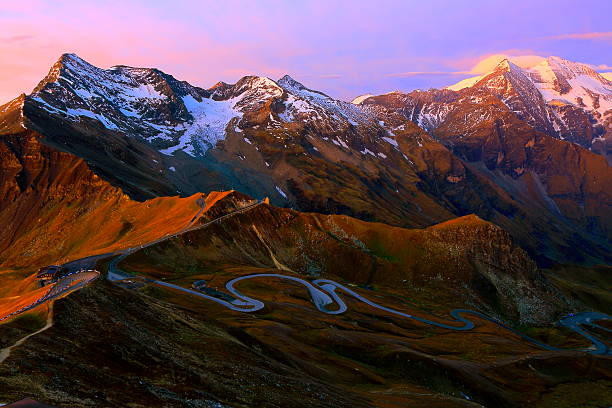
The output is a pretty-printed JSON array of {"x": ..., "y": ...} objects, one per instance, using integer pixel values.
[
  {"x": 417, "y": 73},
  {"x": 476, "y": 65},
  {"x": 596, "y": 36},
  {"x": 16, "y": 38},
  {"x": 601, "y": 67}
]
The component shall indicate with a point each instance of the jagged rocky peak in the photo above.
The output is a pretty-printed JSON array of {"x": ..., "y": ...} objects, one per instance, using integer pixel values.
[
  {"x": 263, "y": 85},
  {"x": 297, "y": 88},
  {"x": 288, "y": 82},
  {"x": 11, "y": 115},
  {"x": 506, "y": 65},
  {"x": 71, "y": 61},
  {"x": 88, "y": 81},
  {"x": 504, "y": 68},
  {"x": 501, "y": 81},
  {"x": 66, "y": 65},
  {"x": 136, "y": 101},
  {"x": 248, "y": 93},
  {"x": 219, "y": 87},
  {"x": 221, "y": 91},
  {"x": 248, "y": 86},
  {"x": 507, "y": 69}
]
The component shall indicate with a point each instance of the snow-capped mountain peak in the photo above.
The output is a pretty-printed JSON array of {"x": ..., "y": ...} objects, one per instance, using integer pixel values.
[
  {"x": 465, "y": 83},
  {"x": 506, "y": 65},
  {"x": 566, "y": 99},
  {"x": 568, "y": 69},
  {"x": 67, "y": 63},
  {"x": 173, "y": 115},
  {"x": 250, "y": 92},
  {"x": 288, "y": 82},
  {"x": 137, "y": 101},
  {"x": 572, "y": 83}
]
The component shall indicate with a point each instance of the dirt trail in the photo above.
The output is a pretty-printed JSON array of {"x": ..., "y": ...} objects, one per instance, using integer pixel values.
[{"x": 6, "y": 352}]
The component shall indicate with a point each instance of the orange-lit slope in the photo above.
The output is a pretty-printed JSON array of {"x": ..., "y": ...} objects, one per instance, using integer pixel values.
[{"x": 54, "y": 209}]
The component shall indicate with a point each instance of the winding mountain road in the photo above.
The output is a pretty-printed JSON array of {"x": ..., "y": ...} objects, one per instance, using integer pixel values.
[
  {"x": 79, "y": 275},
  {"x": 323, "y": 294}
]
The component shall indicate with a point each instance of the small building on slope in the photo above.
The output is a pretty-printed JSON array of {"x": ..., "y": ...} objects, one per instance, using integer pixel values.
[{"x": 49, "y": 274}]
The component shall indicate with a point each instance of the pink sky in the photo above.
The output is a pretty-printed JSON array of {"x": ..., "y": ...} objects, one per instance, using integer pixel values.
[{"x": 345, "y": 48}]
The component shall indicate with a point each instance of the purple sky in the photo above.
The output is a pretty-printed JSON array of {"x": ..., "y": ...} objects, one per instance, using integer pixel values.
[{"x": 344, "y": 48}]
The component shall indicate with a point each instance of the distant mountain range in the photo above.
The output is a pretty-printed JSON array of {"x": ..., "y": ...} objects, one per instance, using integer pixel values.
[{"x": 523, "y": 148}]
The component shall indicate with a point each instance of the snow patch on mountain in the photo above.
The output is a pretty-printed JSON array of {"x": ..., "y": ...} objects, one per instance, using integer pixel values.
[
  {"x": 391, "y": 141},
  {"x": 87, "y": 113},
  {"x": 303, "y": 103},
  {"x": 211, "y": 119},
  {"x": 465, "y": 83},
  {"x": 367, "y": 151},
  {"x": 281, "y": 192},
  {"x": 431, "y": 116}
]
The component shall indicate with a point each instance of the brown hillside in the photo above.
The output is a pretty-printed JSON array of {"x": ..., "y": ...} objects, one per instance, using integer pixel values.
[
  {"x": 54, "y": 209},
  {"x": 470, "y": 260}
]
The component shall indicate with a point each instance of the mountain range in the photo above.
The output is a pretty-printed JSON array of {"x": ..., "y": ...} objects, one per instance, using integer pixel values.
[
  {"x": 525, "y": 149},
  {"x": 493, "y": 194}
]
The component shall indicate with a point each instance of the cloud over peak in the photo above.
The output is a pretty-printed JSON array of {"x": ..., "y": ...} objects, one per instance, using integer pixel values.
[
  {"x": 593, "y": 36},
  {"x": 488, "y": 63}
]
